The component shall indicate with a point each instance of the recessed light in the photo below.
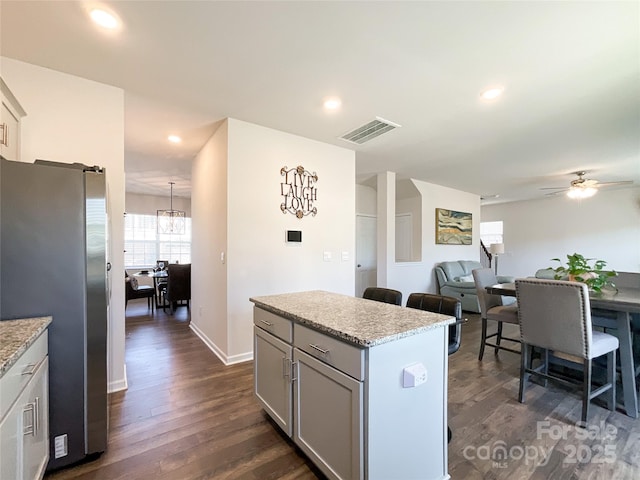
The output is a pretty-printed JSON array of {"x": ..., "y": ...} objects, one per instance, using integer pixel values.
[
  {"x": 104, "y": 18},
  {"x": 174, "y": 139},
  {"x": 492, "y": 93},
  {"x": 332, "y": 103}
]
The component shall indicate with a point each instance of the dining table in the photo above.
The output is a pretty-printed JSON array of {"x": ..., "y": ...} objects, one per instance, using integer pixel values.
[
  {"x": 614, "y": 310},
  {"x": 157, "y": 276}
]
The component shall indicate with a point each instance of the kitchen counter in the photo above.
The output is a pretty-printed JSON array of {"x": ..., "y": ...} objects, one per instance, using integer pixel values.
[
  {"x": 358, "y": 321},
  {"x": 16, "y": 336}
]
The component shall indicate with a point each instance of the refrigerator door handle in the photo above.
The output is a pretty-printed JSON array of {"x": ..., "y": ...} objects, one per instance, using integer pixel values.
[{"x": 108, "y": 266}]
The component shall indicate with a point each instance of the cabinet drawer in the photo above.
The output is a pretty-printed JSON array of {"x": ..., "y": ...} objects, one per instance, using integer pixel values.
[
  {"x": 340, "y": 355},
  {"x": 17, "y": 377},
  {"x": 274, "y": 324}
]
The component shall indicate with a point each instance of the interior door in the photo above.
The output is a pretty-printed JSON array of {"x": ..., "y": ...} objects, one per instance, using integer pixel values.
[{"x": 366, "y": 246}]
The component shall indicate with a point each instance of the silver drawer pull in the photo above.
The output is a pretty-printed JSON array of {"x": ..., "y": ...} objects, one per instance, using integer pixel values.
[
  {"x": 30, "y": 369},
  {"x": 36, "y": 416},
  {"x": 286, "y": 367},
  {"x": 266, "y": 323},
  {"x": 321, "y": 350}
]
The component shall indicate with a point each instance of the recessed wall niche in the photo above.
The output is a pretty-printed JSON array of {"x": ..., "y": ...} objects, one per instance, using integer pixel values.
[{"x": 408, "y": 222}]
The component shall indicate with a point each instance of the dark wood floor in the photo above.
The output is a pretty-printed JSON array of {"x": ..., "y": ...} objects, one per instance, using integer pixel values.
[{"x": 187, "y": 416}]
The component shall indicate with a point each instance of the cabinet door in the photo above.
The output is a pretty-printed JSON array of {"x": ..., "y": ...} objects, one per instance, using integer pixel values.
[
  {"x": 35, "y": 424},
  {"x": 9, "y": 137},
  {"x": 272, "y": 377},
  {"x": 11, "y": 443},
  {"x": 328, "y": 417}
]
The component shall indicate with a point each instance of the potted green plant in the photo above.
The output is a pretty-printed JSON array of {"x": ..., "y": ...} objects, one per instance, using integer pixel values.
[{"x": 579, "y": 269}]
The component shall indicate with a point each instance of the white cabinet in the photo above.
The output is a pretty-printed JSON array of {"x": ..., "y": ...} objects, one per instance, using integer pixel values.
[
  {"x": 35, "y": 424},
  {"x": 11, "y": 113},
  {"x": 24, "y": 428}
]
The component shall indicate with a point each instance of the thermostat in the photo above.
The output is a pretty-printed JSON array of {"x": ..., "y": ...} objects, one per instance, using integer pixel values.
[{"x": 294, "y": 236}]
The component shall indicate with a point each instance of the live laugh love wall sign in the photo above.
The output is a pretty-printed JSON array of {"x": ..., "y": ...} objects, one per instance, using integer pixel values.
[{"x": 298, "y": 191}]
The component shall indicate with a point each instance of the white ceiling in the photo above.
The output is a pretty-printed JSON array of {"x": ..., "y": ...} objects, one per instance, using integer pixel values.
[{"x": 571, "y": 72}]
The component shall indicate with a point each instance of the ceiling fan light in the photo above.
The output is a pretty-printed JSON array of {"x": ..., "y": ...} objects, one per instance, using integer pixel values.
[
  {"x": 105, "y": 19},
  {"x": 492, "y": 93},
  {"x": 581, "y": 192}
]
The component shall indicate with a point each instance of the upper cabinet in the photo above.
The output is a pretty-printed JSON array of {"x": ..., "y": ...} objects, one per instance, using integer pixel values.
[{"x": 10, "y": 115}]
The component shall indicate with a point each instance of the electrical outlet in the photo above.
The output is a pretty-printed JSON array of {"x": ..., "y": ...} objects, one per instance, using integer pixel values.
[{"x": 60, "y": 443}]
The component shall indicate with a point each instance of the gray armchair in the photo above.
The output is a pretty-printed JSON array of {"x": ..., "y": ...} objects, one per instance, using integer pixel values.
[{"x": 455, "y": 279}]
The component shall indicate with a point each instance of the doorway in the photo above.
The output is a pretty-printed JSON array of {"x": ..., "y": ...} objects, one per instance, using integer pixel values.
[{"x": 366, "y": 251}]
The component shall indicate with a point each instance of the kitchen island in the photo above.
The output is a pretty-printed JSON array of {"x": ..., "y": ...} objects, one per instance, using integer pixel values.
[{"x": 360, "y": 386}]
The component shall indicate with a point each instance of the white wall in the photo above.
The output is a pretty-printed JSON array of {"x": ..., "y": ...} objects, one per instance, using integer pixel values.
[
  {"x": 70, "y": 119},
  {"x": 258, "y": 260},
  {"x": 209, "y": 241},
  {"x": 409, "y": 277},
  {"x": 150, "y": 204},
  {"x": 365, "y": 200},
  {"x": 413, "y": 207},
  {"x": 606, "y": 226}
]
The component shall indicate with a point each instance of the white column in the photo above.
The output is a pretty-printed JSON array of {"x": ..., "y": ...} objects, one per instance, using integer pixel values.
[{"x": 386, "y": 226}]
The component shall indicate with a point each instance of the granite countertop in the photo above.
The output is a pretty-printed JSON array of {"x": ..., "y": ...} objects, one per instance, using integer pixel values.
[
  {"x": 16, "y": 336},
  {"x": 362, "y": 322}
]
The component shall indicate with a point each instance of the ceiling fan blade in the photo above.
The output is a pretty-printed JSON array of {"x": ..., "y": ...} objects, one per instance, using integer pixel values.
[
  {"x": 611, "y": 184},
  {"x": 550, "y": 194},
  {"x": 554, "y": 188}
]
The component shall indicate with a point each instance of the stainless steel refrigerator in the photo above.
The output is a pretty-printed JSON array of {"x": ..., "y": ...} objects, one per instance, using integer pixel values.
[{"x": 53, "y": 220}]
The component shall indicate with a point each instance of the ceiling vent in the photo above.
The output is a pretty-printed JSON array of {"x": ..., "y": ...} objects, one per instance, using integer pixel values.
[{"x": 369, "y": 131}]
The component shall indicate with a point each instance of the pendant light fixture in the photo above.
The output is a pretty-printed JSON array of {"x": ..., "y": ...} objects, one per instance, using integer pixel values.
[{"x": 171, "y": 221}]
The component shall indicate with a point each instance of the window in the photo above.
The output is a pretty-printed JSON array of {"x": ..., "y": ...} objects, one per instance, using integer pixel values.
[
  {"x": 144, "y": 246},
  {"x": 491, "y": 232}
]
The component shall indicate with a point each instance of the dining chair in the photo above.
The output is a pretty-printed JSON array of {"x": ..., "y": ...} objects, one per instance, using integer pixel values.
[
  {"x": 555, "y": 316},
  {"x": 134, "y": 291},
  {"x": 492, "y": 308},
  {"x": 430, "y": 302},
  {"x": 384, "y": 295},
  {"x": 178, "y": 285}
]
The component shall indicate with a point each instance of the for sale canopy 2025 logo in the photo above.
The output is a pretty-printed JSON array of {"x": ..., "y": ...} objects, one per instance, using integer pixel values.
[{"x": 299, "y": 191}]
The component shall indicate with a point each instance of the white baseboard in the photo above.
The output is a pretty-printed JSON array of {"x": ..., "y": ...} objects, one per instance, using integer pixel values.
[
  {"x": 118, "y": 385},
  {"x": 227, "y": 360}
]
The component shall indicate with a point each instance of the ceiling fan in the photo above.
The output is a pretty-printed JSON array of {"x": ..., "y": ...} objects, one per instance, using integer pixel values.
[{"x": 583, "y": 187}]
